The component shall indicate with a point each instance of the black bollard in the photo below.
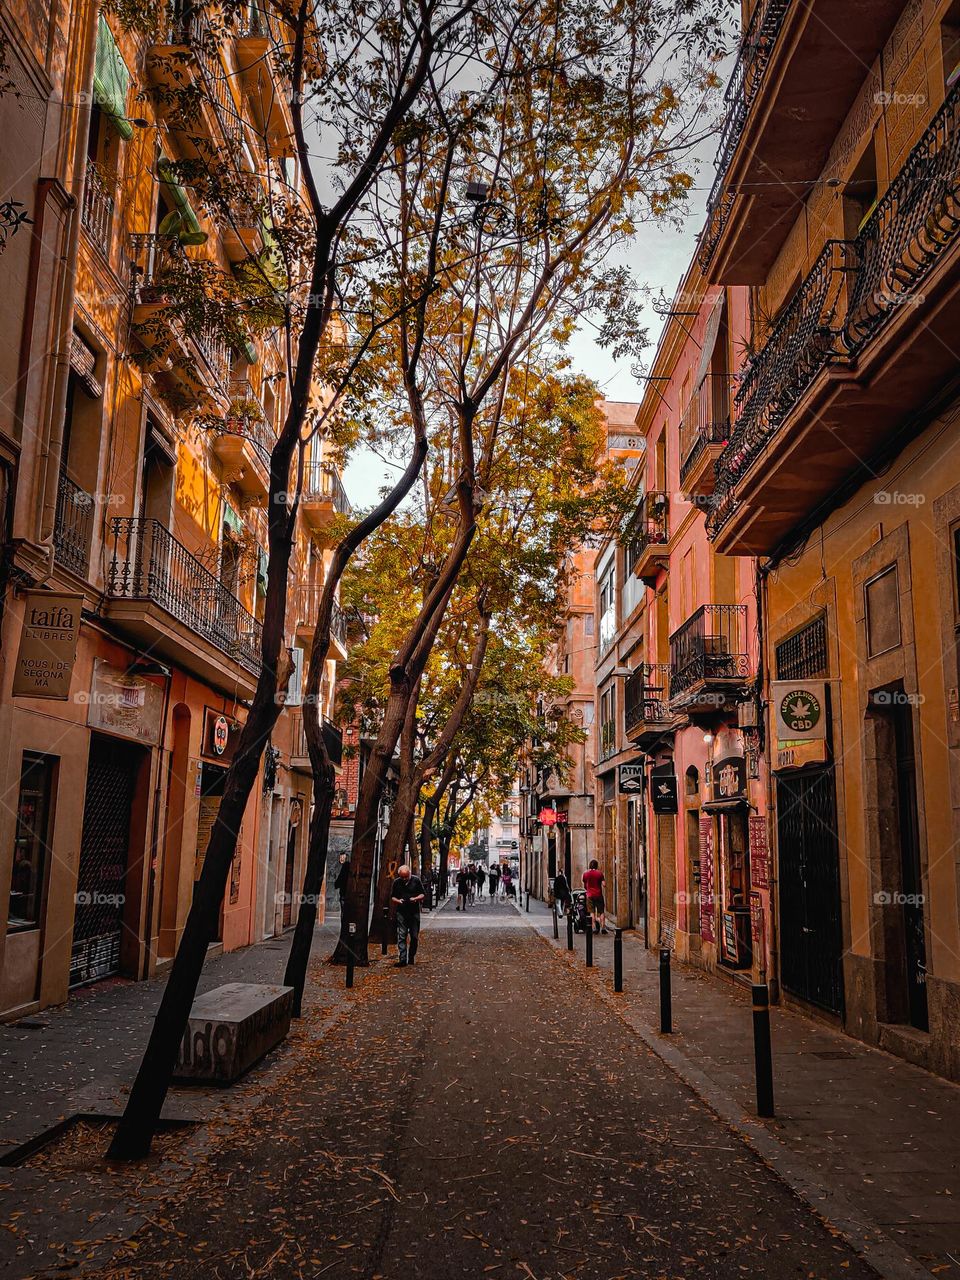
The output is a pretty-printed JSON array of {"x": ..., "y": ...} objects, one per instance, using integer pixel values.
[
  {"x": 570, "y": 929},
  {"x": 590, "y": 945},
  {"x": 528, "y": 899},
  {"x": 350, "y": 963},
  {"x": 386, "y": 931},
  {"x": 618, "y": 960},
  {"x": 666, "y": 1014},
  {"x": 762, "y": 1053},
  {"x": 556, "y": 923}
]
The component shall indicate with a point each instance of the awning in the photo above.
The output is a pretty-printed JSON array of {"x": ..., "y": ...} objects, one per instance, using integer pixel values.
[
  {"x": 179, "y": 196},
  {"x": 83, "y": 361},
  {"x": 727, "y": 806},
  {"x": 111, "y": 80}
]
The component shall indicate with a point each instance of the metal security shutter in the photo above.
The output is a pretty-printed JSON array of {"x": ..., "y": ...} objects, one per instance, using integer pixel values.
[
  {"x": 104, "y": 848},
  {"x": 667, "y": 875}
]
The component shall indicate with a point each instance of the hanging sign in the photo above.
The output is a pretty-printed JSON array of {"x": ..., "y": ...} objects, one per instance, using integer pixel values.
[
  {"x": 730, "y": 778},
  {"x": 800, "y": 708},
  {"x": 220, "y": 735},
  {"x": 663, "y": 789},
  {"x": 48, "y": 645},
  {"x": 124, "y": 704},
  {"x": 630, "y": 779},
  {"x": 548, "y": 817}
]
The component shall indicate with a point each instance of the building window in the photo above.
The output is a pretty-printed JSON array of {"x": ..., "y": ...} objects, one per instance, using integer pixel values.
[
  {"x": 31, "y": 852},
  {"x": 608, "y": 610},
  {"x": 804, "y": 655},
  {"x": 608, "y": 721},
  {"x": 882, "y": 601}
]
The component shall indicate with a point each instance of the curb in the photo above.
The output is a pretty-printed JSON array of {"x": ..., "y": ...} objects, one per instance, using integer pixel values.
[{"x": 836, "y": 1211}]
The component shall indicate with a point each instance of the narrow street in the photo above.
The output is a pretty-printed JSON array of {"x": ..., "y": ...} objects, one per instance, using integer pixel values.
[{"x": 478, "y": 1114}]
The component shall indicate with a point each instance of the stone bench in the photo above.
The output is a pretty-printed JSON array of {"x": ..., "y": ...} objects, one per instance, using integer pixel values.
[{"x": 232, "y": 1028}]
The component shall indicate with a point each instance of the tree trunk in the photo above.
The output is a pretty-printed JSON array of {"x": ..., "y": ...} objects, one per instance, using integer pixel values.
[{"x": 298, "y": 960}]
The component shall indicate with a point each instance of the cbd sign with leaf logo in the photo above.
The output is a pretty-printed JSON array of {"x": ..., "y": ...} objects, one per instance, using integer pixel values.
[{"x": 801, "y": 712}]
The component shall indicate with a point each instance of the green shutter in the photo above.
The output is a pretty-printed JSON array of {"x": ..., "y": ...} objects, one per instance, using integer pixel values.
[
  {"x": 231, "y": 520},
  {"x": 179, "y": 197},
  {"x": 111, "y": 80},
  {"x": 262, "y": 562}
]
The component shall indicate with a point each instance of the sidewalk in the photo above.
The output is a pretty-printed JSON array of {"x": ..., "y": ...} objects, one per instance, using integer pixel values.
[{"x": 869, "y": 1141}]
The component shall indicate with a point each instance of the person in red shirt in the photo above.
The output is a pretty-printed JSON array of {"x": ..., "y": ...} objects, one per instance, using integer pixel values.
[{"x": 593, "y": 883}]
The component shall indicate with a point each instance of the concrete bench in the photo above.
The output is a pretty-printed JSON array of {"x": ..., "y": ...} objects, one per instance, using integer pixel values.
[{"x": 232, "y": 1028}]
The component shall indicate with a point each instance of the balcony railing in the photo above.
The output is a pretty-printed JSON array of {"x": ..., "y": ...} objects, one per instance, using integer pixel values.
[
  {"x": 150, "y": 564},
  {"x": 710, "y": 646},
  {"x": 753, "y": 58},
  {"x": 855, "y": 288},
  {"x": 195, "y": 33},
  {"x": 308, "y": 604},
  {"x": 159, "y": 264},
  {"x": 807, "y": 337},
  {"x": 645, "y": 697},
  {"x": 322, "y": 480},
  {"x": 705, "y": 422},
  {"x": 73, "y": 526},
  {"x": 96, "y": 211},
  {"x": 245, "y": 417},
  {"x": 651, "y": 528}
]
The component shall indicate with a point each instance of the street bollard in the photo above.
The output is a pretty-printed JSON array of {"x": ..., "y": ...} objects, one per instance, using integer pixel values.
[
  {"x": 763, "y": 1056},
  {"x": 666, "y": 1014},
  {"x": 590, "y": 946},
  {"x": 528, "y": 899},
  {"x": 556, "y": 922},
  {"x": 386, "y": 931},
  {"x": 618, "y": 960},
  {"x": 351, "y": 959},
  {"x": 570, "y": 930}
]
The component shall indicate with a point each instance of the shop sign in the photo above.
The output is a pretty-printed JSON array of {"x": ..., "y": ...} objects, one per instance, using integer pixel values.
[
  {"x": 729, "y": 778},
  {"x": 759, "y": 853},
  {"x": 562, "y": 816},
  {"x": 48, "y": 645},
  {"x": 630, "y": 779},
  {"x": 127, "y": 705},
  {"x": 663, "y": 789},
  {"x": 800, "y": 708},
  {"x": 548, "y": 817},
  {"x": 220, "y": 735}
]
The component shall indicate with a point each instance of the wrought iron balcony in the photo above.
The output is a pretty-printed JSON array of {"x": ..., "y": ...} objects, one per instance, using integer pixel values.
[
  {"x": 96, "y": 210},
  {"x": 307, "y": 604},
  {"x": 853, "y": 311},
  {"x": 73, "y": 526},
  {"x": 321, "y": 480},
  {"x": 648, "y": 537},
  {"x": 704, "y": 430},
  {"x": 190, "y": 52},
  {"x": 332, "y": 737},
  {"x": 150, "y": 565},
  {"x": 160, "y": 267},
  {"x": 749, "y": 72},
  {"x": 807, "y": 337},
  {"x": 709, "y": 653},
  {"x": 646, "y": 712}
]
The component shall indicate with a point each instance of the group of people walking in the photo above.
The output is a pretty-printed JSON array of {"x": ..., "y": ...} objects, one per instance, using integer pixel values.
[{"x": 472, "y": 879}]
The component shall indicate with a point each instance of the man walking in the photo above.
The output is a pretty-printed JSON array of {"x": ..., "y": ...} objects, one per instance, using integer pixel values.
[
  {"x": 480, "y": 880},
  {"x": 593, "y": 883},
  {"x": 407, "y": 894},
  {"x": 462, "y": 888}
]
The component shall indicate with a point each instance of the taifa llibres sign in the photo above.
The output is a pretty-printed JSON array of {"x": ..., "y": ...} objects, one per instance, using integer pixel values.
[{"x": 48, "y": 645}]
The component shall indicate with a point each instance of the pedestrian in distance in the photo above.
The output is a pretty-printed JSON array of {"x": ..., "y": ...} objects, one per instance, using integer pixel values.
[
  {"x": 561, "y": 893},
  {"x": 463, "y": 889},
  {"x": 479, "y": 880},
  {"x": 407, "y": 894},
  {"x": 593, "y": 884},
  {"x": 494, "y": 878},
  {"x": 472, "y": 882}
]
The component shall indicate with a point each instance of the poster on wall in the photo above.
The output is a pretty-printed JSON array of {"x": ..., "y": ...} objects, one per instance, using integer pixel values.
[
  {"x": 707, "y": 906},
  {"x": 48, "y": 645},
  {"x": 759, "y": 853},
  {"x": 756, "y": 926},
  {"x": 127, "y": 705}
]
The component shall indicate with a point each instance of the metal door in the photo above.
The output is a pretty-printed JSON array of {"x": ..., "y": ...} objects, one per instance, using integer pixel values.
[
  {"x": 810, "y": 923},
  {"x": 104, "y": 849}
]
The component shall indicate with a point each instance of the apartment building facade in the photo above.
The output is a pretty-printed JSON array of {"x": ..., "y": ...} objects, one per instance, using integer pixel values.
[
  {"x": 838, "y": 212},
  {"x": 135, "y": 467}
]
